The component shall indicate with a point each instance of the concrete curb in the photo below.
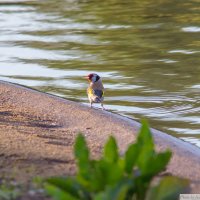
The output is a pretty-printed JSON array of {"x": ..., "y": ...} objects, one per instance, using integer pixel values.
[{"x": 97, "y": 125}]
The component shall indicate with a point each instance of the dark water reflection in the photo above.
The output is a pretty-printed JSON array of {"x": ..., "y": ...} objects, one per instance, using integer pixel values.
[{"x": 148, "y": 53}]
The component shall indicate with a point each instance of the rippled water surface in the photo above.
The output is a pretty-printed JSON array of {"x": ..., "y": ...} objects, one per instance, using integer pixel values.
[{"x": 148, "y": 53}]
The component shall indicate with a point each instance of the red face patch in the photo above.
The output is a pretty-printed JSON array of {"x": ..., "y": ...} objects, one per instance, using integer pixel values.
[{"x": 90, "y": 76}]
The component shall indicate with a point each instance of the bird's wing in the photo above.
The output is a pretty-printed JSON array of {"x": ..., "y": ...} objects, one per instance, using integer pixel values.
[
  {"x": 99, "y": 93},
  {"x": 95, "y": 93}
]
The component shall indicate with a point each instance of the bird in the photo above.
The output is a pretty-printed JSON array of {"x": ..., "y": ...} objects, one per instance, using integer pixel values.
[{"x": 95, "y": 90}]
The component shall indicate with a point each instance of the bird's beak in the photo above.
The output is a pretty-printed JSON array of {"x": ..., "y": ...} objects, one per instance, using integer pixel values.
[{"x": 87, "y": 77}]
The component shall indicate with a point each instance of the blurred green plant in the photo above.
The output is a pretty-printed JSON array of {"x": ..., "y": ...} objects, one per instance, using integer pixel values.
[
  {"x": 9, "y": 192},
  {"x": 115, "y": 177}
]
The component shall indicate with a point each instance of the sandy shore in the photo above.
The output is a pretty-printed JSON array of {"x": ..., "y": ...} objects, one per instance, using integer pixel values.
[{"x": 37, "y": 133}]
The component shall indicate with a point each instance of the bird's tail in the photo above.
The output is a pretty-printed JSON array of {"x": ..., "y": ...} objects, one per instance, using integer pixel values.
[{"x": 96, "y": 99}]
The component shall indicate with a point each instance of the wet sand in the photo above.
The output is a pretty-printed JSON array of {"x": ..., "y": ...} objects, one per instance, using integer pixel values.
[{"x": 37, "y": 133}]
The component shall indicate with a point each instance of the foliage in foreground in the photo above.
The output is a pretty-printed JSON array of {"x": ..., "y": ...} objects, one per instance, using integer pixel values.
[
  {"x": 118, "y": 178},
  {"x": 8, "y": 192}
]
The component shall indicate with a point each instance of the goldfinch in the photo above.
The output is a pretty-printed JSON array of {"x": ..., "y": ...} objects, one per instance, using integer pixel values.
[{"x": 95, "y": 91}]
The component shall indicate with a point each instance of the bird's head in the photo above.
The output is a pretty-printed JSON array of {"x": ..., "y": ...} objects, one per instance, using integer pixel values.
[{"x": 93, "y": 77}]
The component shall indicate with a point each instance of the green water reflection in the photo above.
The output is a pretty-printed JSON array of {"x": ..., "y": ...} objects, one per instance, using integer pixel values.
[{"x": 146, "y": 51}]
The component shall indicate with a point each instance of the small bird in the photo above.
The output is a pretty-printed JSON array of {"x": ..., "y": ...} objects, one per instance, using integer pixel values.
[{"x": 95, "y": 91}]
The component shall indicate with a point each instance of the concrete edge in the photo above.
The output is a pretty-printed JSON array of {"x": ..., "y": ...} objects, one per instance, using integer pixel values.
[{"x": 164, "y": 139}]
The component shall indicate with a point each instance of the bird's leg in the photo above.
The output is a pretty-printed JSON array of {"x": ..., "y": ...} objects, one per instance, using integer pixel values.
[
  {"x": 90, "y": 104},
  {"x": 102, "y": 106}
]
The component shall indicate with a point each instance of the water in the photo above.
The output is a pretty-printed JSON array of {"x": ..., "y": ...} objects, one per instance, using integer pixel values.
[{"x": 148, "y": 53}]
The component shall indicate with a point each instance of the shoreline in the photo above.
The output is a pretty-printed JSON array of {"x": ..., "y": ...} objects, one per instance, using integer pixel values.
[{"x": 38, "y": 131}]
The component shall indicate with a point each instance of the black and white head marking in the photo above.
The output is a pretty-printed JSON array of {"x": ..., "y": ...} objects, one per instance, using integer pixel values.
[{"x": 95, "y": 78}]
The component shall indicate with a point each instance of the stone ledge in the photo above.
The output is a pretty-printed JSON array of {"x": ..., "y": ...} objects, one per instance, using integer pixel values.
[{"x": 37, "y": 133}]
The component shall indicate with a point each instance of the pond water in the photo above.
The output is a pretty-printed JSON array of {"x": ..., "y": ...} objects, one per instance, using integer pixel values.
[{"x": 147, "y": 52}]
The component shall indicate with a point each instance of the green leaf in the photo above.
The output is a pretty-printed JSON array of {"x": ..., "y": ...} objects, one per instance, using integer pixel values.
[
  {"x": 131, "y": 156},
  {"x": 146, "y": 145},
  {"x": 148, "y": 157},
  {"x": 69, "y": 185},
  {"x": 159, "y": 163},
  {"x": 82, "y": 155},
  {"x": 168, "y": 188},
  {"x": 111, "y": 150},
  {"x": 154, "y": 164},
  {"x": 95, "y": 180},
  {"x": 118, "y": 192},
  {"x": 81, "y": 150},
  {"x": 142, "y": 184},
  {"x": 58, "y": 194},
  {"x": 111, "y": 172},
  {"x": 145, "y": 138}
]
